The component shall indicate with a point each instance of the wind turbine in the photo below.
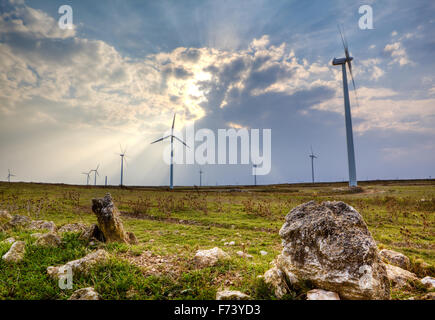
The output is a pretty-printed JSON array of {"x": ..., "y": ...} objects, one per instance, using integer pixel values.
[
  {"x": 87, "y": 176},
  {"x": 312, "y": 156},
  {"x": 347, "y": 113},
  {"x": 95, "y": 171},
  {"x": 171, "y": 170},
  {"x": 255, "y": 174},
  {"x": 200, "y": 177},
  {"x": 10, "y": 175},
  {"x": 122, "y": 155}
]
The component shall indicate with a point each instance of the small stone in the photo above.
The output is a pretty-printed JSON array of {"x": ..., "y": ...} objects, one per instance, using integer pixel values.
[
  {"x": 73, "y": 227},
  {"x": 9, "y": 240},
  {"x": 319, "y": 294},
  {"x": 276, "y": 279},
  {"x": 43, "y": 225},
  {"x": 49, "y": 240},
  {"x": 85, "y": 294},
  {"x": 429, "y": 296},
  {"x": 399, "y": 277},
  {"x": 395, "y": 258},
  {"x": 131, "y": 238},
  {"x": 244, "y": 255},
  {"x": 5, "y": 216},
  {"x": 18, "y": 221},
  {"x": 36, "y": 235},
  {"x": 263, "y": 253},
  {"x": 208, "y": 258},
  {"x": 93, "y": 232},
  {"x": 428, "y": 282},
  {"x": 231, "y": 295},
  {"x": 16, "y": 252}
]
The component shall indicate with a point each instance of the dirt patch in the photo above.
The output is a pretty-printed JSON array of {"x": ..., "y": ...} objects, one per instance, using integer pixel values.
[{"x": 153, "y": 264}]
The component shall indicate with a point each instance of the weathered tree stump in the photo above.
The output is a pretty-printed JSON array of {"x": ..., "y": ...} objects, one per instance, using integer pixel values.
[{"x": 108, "y": 220}]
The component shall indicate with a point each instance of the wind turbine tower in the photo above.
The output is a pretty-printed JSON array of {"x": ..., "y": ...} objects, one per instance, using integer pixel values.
[
  {"x": 312, "y": 156},
  {"x": 200, "y": 177},
  {"x": 347, "y": 113},
  {"x": 255, "y": 174},
  {"x": 123, "y": 157},
  {"x": 171, "y": 169},
  {"x": 10, "y": 175}
]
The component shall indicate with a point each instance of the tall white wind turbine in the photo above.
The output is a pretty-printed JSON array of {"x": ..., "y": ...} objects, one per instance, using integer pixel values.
[
  {"x": 312, "y": 156},
  {"x": 95, "y": 171},
  {"x": 347, "y": 113},
  {"x": 123, "y": 158},
  {"x": 171, "y": 170},
  {"x": 87, "y": 174}
]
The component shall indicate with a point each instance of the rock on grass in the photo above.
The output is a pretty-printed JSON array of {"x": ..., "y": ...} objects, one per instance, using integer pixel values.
[
  {"x": 16, "y": 252},
  {"x": 319, "y": 294},
  {"x": 85, "y": 294},
  {"x": 231, "y": 295},
  {"x": 49, "y": 240},
  {"x": 330, "y": 245},
  {"x": 400, "y": 278},
  {"x": 209, "y": 258},
  {"x": 395, "y": 258},
  {"x": 80, "y": 265}
]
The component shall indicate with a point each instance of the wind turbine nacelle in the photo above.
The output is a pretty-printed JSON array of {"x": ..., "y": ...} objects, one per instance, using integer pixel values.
[{"x": 337, "y": 62}]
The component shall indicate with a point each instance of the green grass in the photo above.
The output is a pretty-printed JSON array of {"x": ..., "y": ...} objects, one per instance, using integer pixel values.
[{"x": 175, "y": 224}]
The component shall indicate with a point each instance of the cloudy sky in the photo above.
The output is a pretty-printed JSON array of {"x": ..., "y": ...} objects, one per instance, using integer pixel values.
[{"x": 70, "y": 97}]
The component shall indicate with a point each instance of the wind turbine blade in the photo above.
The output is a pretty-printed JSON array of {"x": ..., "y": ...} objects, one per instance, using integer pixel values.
[
  {"x": 161, "y": 139},
  {"x": 181, "y": 141},
  {"x": 342, "y": 38},
  {"x": 353, "y": 82},
  {"x": 173, "y": 121}
]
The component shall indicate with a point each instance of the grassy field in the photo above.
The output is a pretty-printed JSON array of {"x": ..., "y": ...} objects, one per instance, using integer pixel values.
[{"x": 172, "y": 225}]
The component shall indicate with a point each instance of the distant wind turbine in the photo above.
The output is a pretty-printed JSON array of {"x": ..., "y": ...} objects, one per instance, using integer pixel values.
[
  {"x": 123, "y": 158},
  {"x": 87, "y": 176},
  {"x": 312, "y": 156},
  {"x": 95, "y": 171},
  {"x": 347, "y": 113},
  {"x": 10, "y": 175},
  {"x": 200, "y": 177},
  {"x": 255, "y": 174},
  {"x": 171, "y": 170}
]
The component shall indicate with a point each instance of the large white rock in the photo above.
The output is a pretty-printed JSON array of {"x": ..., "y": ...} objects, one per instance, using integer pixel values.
[
  {"x": 319, "y": 294},
  {"x": 80, "y": 265},
  {"x": 85, "y": 294},
  {"x": 208, "y": 258},
  {"x": 330, "y": 245},
  {"x": 395, "y": 258},
  {"x": 16, "y": 252},
  {"x": 231, "y": 295},
  {"x": 428, "y": 282},
  {"x": 399, "y": 277}
]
